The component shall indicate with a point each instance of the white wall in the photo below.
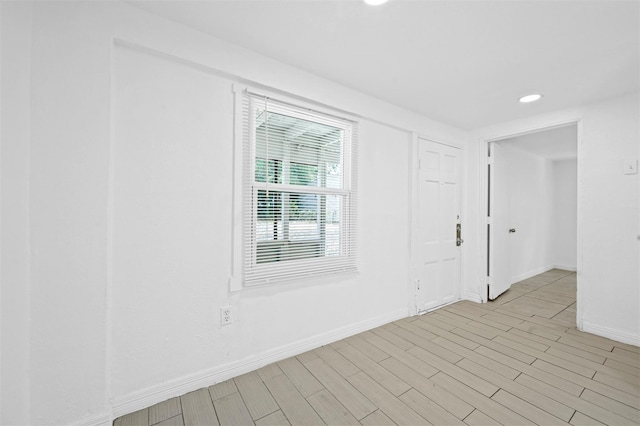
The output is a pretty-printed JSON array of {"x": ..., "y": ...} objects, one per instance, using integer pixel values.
[
  {"x": 15, "y": 33},
  {"x": 564, "y": 222},
  {"x": 530, "y": 210},
  {"x": 123, "y": 259},
  {"x": 608, "y": 209}
]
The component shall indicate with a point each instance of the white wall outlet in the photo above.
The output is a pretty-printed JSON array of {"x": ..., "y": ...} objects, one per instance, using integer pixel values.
[
  {"x": 226, "y": 315},
  {"x": 630, "y": 167}
]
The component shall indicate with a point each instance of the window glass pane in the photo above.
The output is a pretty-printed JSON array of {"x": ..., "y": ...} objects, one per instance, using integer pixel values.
[
  {"x": 334, "y": 175},
  {"x": 333, "y": 213},
  {"x": 303, "y": 174},
  {"x": 304, "y": 217},
  {"x": 270, "y": 226},
  {"x": 305, "y": 152},
  {"x": 274, "y": 172}
]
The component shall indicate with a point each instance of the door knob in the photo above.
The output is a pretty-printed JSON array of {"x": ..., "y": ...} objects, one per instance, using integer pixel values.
[{"x": 512, "y": 230}]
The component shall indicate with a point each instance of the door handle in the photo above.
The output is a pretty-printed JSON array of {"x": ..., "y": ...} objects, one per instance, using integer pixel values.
[
  {"x": 459, "y": 239},
  {"x": 512, "y": 230}
]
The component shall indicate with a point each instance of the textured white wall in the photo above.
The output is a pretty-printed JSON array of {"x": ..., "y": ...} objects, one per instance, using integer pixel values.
[
  {"x": 564, "y": 221},
  {"x": 129, "y": 183},
  {"x": 609, "y": 206},
  {"x": 530, "y": 209},
  {"x": 15, "y": 36}
]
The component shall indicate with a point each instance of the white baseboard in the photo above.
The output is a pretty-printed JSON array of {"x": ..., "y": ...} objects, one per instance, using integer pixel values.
[
  {"x": 530, "y": 274},
  {"x": 610, "y": 333},
  {"x": 144, "y": 398},
  {"x": 473, "y": 297},
  {"x": 102, "y": 419},
  {"x": 565, "y": 267}
]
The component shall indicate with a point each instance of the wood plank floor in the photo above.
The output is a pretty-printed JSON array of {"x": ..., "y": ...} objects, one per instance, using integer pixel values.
[{"x": 518, "y": 360}]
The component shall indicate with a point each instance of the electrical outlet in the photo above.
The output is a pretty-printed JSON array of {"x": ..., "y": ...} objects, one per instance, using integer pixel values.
[{"x": 226, "y": 316}]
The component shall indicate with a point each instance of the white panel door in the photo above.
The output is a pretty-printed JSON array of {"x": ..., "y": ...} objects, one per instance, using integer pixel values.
[
  {"x": 438, "y": 255},
  {"x": 499, "y": 223}
]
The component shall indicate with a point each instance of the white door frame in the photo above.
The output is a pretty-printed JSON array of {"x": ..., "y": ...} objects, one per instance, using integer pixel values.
[
  {"x": 483, "y": 151},
  {"x": 414, "y": 212}
]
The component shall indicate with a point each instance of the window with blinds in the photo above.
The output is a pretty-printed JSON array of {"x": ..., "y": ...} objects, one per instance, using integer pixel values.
[{"x": 299, "y": 198}]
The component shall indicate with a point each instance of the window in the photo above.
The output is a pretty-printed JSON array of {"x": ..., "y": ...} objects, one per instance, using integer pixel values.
[{"x": 299, "y": 192}]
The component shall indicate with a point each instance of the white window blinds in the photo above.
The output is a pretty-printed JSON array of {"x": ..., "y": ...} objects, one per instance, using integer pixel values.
[{"x": 299, "y": 192}]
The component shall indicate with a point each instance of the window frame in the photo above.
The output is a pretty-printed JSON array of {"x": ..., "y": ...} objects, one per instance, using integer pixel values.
[{"x": 245, "y": 262}]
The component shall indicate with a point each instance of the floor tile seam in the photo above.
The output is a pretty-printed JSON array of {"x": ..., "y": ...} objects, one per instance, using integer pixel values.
[
  {"x": 370, "y": 399},
  {"x": 580, "y": 340},
  {"x": 213, "y": 404},
  {"x": 637, "y": 352},
  {"x": 531, "y": 373},
  {"x": 172, "y": 417},
  {"x": 272, "y": 397},
  {"x": 637, "y": 394},
  {"x": 584, "y": 386},
  {"x": 532, "y": 404},
  {"x": 472, "y": 320},
  {"x": 335, "y": 396},
  {"x": 408, "y": 390},
  {"x": 472, "y": 351},
  {"x": 562, "y": 347},
  {"x": 535, "y": 296},
  {"x": 277, "y": 404},
  {"x": 608, "y": 397},
  {"x": 554, "y": 359},
  {"x": 635, "y": 380},
  {"x": 480, "y": 411},
  {"x": 316, "y": 411},
  {"x": 311, "y": 374},
  {"x": 575, "y": 355}
]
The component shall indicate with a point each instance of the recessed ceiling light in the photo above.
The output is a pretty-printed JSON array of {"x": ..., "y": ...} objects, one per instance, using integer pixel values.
[
  {"x": 375, "y": 2},
  {"x": 530, "y": 98}
]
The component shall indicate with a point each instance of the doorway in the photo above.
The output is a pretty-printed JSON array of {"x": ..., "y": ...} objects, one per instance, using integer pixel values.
[{"x": 531, "y": 199}]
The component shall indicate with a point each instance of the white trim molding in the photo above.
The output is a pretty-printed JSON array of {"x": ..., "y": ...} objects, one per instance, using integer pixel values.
[
  {"x": 138, "y": 400},
  {"x": 611, "y": 333},
  {"x": 100, "y": 419}
]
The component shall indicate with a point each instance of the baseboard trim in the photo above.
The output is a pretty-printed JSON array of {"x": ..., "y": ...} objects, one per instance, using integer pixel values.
[
  {"x": 611, "y": 333},
  {"x": 101, "y": 419},
  {"x": 565, "y": 267},
  {"x": 530, "y": 274},
  {"x": 144, "y": 398},
  {"x": 472, "y": 297}
]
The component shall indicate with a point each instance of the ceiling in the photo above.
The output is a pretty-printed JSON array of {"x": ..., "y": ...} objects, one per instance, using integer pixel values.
[
  {"x": 560, "y": 143},
  {"x": 464, "y": 63}
]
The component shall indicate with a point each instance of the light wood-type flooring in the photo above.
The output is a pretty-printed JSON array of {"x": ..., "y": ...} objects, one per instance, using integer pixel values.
[{"x": 518, "y": 360}]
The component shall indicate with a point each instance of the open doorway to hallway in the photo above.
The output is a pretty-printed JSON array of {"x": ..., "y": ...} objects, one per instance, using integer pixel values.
[{"x": 532, "y": 206}]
